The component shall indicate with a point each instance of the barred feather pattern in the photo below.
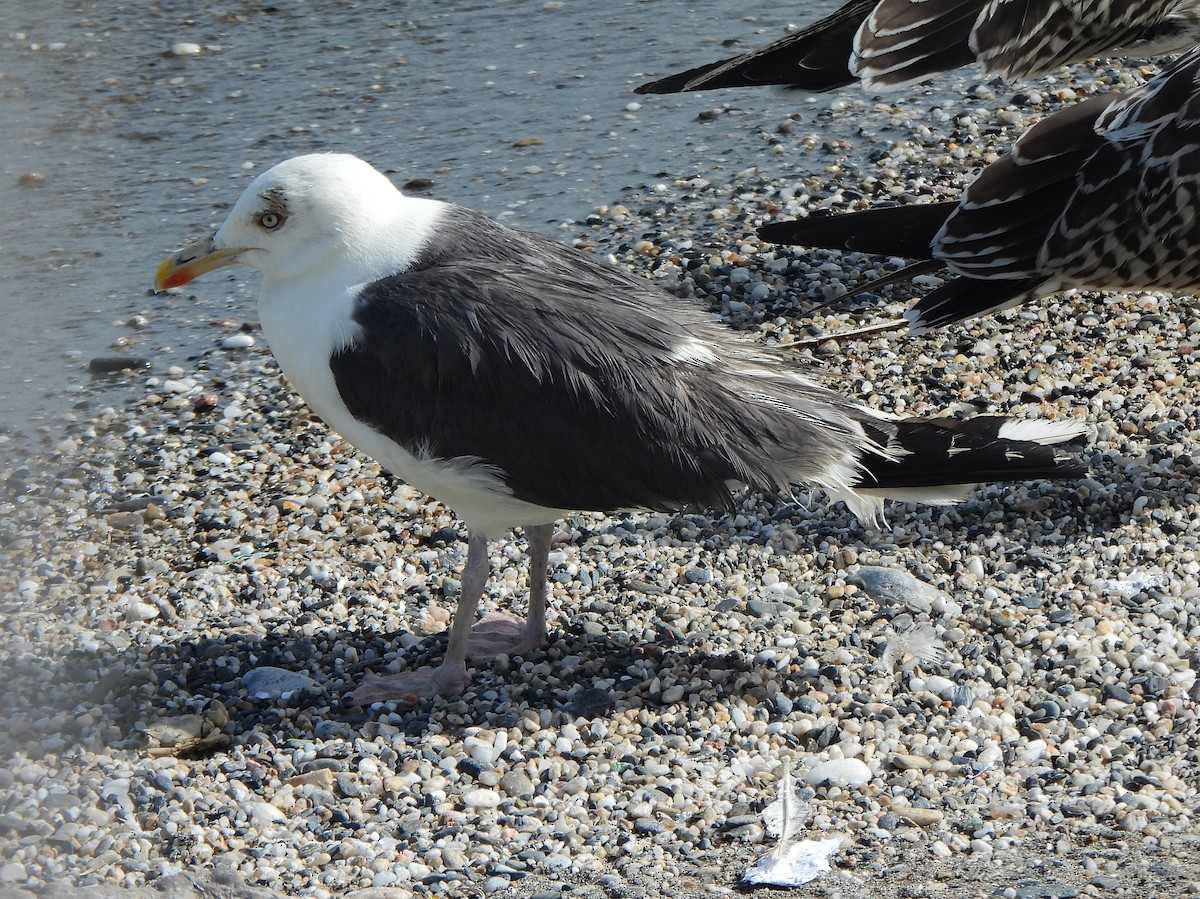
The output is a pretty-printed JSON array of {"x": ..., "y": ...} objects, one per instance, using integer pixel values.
[
  {"x": 894, "y": 43},
  {"x": 1131, "y": 221},
  {"x": 1029, "y": 37},
  {"x": 1102, "y": 195},
  {"x": 903, "y": 41}
]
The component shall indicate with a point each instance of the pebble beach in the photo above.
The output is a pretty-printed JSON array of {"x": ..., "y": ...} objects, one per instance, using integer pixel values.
[{"x": 993, "y": 699}]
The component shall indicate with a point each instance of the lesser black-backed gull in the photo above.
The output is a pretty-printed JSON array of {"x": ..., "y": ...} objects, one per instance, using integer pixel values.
[
  {"x": 515, "y": 379},
  {"x": 892, "y": 43},
  {"x": 1102, "y": 195}
]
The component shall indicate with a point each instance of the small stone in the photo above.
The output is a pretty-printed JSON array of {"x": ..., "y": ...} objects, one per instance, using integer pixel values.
[
  {"x": 137, "y": 610},
  {"x": 764, "y": 608},
  {"x": 1047, "y": 891},
  {"x": 961, "y": 696},
  {"x": 839, "y": 772},
  {"x": 185, "y": 48},
  {"x": 1117, "y": 692},
  {"x": 922, "y": 817},
  {"x": 237, "y": 342},
  {"x": 126, "y": 521},
  {"x": 262, "y": 813},
  {"x": 12, "y": 872},
  {"x": 481, "y": 798},
  {"x": 909, "y": 762},
  {"x": 647, "y": 827},
  {"x": 899, "y": 588},
  {"x": 939, "y": 686},
  {"x": 269, "y": 682},
  {"x": 593, "y": 702},
  {"x": 31, "y": 179},
  {"x": 107, "y": 365},
  {"x": 206, "y": 402},
  {"x": 517, "y": 784},
  {"x": 1047, "y": 710},
  {"x": 321, "y": 778}
]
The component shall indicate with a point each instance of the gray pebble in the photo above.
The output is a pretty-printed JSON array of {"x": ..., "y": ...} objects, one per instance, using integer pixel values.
[
  {"x": 891, "y": 586},
  {"x": 1047, "y": 891},
  {"x": 517, "y": 784},
  {"x": 269, "y": 682}
]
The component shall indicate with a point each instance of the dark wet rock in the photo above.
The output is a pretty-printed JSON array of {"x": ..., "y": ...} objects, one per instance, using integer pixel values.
[{"x": 110, "y": 365}]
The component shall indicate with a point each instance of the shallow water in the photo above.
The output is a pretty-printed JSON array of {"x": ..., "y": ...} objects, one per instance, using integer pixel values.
[{"x": 141, "y": 149}]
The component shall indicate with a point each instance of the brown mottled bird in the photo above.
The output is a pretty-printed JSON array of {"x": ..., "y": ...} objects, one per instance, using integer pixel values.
[
  {"x": 1103, "y": 195},
  {"x": 892, "y": 43}
]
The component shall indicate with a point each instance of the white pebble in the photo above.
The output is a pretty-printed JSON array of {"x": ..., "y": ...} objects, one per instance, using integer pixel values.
[
  {"x": 840, "y": 772},
  {"x": 941, "y": 686},
  {"x": 481, "y": 798},
  {"x": 264, "y": 813},
  {"x": 137, "y": 610},
  {"x": 481, "y": 751}
]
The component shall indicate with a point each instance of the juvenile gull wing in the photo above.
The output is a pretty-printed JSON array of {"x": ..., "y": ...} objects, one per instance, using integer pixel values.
[
  {"x": 1020, "y": 38},
  {"x": 1101, "y": 195},
  {"x": 815, "y": 58},
  {"x": 1132, "y": 217},
  {"x": 905, "y": 41},
  {"x": 893, "y": 43}
]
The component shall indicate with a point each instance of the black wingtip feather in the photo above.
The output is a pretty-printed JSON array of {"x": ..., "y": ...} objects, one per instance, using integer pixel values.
[
  {"x": 679, "y": 82},
  {"x": 906, "y": 231},
  {"x": 942, "y": 452},
  {"x": 815, "y": 59},
  {"x": 965, "y": 298}
]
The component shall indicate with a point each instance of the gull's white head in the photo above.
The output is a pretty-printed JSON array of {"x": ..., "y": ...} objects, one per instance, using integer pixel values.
[{"x": 309, "y": 216}]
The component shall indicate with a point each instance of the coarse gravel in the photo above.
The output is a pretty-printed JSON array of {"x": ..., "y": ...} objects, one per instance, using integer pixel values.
[{"x": 1004, "y": 691}]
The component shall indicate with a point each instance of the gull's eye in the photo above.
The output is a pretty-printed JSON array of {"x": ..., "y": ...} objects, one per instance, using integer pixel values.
[{"x": 269, "y": 221}]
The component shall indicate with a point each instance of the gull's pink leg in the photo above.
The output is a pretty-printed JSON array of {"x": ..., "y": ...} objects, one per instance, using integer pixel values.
[
  {"x": 497, "y": 633},
  {"x": 503, "y": 633},
  {"x": 450, "y": 677}
]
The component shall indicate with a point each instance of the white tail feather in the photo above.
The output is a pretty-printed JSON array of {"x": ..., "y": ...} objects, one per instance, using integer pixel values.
[
  {"x": 1038, "y": 430},
  {"x": 938, "y": 495}
]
